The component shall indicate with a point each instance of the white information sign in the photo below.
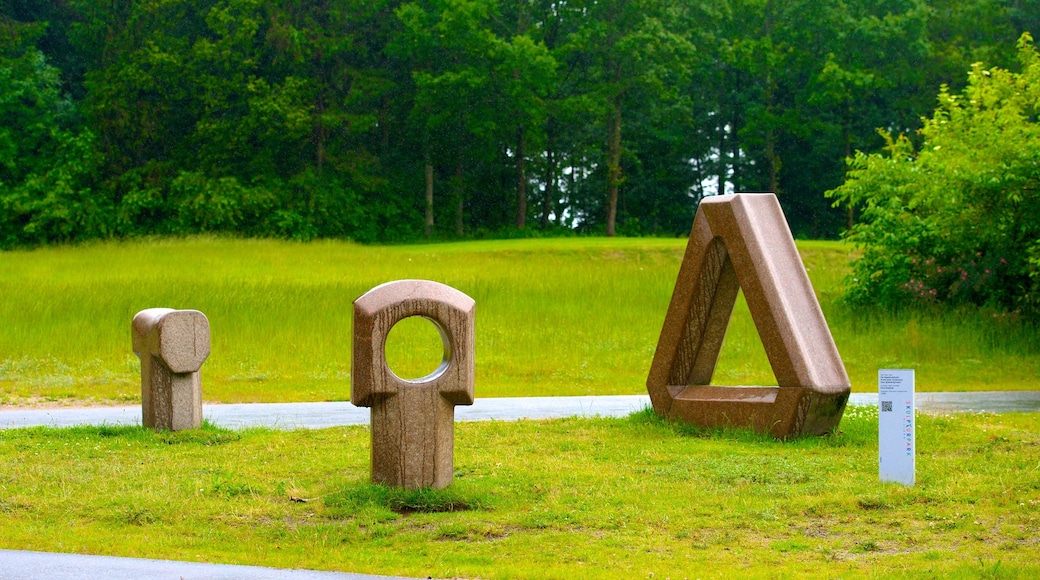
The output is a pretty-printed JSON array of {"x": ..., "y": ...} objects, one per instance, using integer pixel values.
[{"x": 896, "y": 447}]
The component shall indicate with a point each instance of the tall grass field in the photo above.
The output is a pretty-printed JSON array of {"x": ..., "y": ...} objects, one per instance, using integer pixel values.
[{"x": 577, "y": 316}]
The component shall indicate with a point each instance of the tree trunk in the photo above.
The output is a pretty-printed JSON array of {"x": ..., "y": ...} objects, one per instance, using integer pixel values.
[
  {"x": 774, "y": 162},
  {"x": 770, "y": 101},
  {"x": 614, "y": 177},
  {"x": 384, "y": 126},
  {"x": 320, "y": 132},
  {"x": 320, "y": 136},
  {"x": 734, "y": 152},
  {"x": 572, "y": 182},
  {"x": 459, "y": 185},
  {"x": 550, "y": 172},
  {"x": 429, "y": 197},
  {"x": 723, "y": 172},
  {"x": 521, "y": 180},
  {"x": 851, "y": 208},
  {"x": 459, "y": 196}
]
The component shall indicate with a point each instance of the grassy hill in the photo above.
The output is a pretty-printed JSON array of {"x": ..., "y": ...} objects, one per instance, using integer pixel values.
[{"x": 572, "y": 316}]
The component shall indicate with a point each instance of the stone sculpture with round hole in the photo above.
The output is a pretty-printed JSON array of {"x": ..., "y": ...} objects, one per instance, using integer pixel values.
[{"x": 412, "y": 421}]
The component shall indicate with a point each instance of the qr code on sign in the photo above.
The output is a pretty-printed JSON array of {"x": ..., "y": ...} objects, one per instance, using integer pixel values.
[{"x": 886, "y": 406}]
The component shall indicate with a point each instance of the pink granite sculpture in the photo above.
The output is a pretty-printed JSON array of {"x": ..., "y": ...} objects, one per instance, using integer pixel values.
[
  {"x": 172, "y": 345},
  {"x": 742, "y": 241},
  {"x": 413, "y": 422}
]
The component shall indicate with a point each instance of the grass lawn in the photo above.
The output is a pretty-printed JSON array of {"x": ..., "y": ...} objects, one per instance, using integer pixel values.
[
  {"x": 574, "y": 498},
  {"x": 573, "y": 316}
]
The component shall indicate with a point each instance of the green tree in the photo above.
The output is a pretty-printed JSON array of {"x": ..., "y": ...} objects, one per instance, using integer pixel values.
[
  {"x": 671, "y": 127},
  {"x": 526, "y": 74},
  {"x": 447, "y": 43},
  {"x": 47, "y": 161},
  {"x": 241, "y": 115},
  {"x": 628, "y": 46},
  {"x": 806, "y": 83},
  {"x": 313, "y": 118},
  {"x": 480, "y": 86},
  {"x": 58, "y": 18}
]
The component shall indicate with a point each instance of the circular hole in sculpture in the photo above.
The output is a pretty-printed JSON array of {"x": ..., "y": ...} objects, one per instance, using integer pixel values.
[{"x": 417, "y": 350}]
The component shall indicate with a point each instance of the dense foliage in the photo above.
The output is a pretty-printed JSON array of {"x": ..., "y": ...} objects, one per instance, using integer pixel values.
[
  {"x": 386, "y": 119},
  {"x": 958, "y": 219}
]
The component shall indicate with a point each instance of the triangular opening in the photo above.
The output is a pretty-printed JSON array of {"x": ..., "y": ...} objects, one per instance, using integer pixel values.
[
  {"x": 717, "y": 314},
  {"x": 743, "y": 360}
]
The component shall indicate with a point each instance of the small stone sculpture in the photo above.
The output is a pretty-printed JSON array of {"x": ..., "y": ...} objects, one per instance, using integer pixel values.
[
  {"x": 413, "y": 422},
  {"x": 742, "y": 241},
  {"x": 172, "y": 345}
]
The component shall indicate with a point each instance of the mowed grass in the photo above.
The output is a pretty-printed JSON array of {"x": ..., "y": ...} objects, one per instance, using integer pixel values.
[
  {"x": 633, "y": 497},
  {"x": 574, "y": 316}
]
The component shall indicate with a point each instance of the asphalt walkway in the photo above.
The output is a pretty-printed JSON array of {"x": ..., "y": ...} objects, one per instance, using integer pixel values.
[
  {"x": 321, "y": 415},
  {"x": 25, "y": 565}
]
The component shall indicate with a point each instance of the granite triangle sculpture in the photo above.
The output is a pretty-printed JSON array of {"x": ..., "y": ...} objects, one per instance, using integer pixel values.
[{"x": 743, "y": 242}]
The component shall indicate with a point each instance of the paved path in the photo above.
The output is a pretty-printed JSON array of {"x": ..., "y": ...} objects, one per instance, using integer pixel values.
[
  {"x": 320, "y": 415},
  {"x": 21, "y": 565}
]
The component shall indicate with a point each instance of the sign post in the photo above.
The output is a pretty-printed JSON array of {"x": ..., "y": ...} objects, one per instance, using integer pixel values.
[{"x": 896, "y": 445}]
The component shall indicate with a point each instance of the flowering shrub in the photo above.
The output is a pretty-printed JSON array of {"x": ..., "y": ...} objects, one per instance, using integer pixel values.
[{"x": 957, "y": 221}]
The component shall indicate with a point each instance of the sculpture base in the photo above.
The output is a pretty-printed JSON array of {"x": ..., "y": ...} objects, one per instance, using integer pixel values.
[{"x": 784, "y": 412}]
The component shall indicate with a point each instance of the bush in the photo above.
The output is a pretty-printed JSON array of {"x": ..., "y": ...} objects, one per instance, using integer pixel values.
[
  {"x": 958, "y": 220},
  {"x": 221, "y": 204}
]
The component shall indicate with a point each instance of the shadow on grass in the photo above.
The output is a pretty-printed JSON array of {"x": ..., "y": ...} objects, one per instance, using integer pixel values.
[
  {"x": 402, "y": 501},
  {"x": 858, "y": 427},
  {"x": 209, "y": 434}
]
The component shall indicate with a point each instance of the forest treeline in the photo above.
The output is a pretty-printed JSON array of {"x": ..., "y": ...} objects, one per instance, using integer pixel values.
[{"x": 383, "y": 120}]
